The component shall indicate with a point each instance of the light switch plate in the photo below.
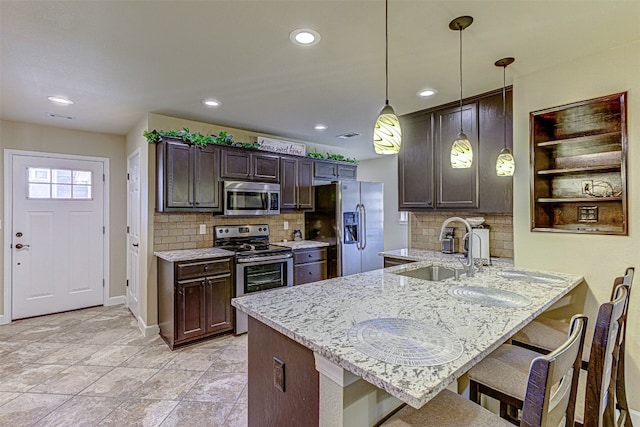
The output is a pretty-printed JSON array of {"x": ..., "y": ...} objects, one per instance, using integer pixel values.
[{"x": 203, "y": 228}]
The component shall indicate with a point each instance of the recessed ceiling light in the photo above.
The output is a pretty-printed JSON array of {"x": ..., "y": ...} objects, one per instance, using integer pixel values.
[
  {"x": 348, "y": 135},
  {"x": 60, "y": 100},
  {"x": 427, "y": 92},
  {"x": 211, "y": 102},
  {"x": 320, "y": 126},
  {"x": 59, "y": 116},
  {"x": 304, "y": 37}
]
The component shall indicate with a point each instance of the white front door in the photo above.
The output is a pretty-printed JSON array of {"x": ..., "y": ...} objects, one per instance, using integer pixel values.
[
  {"x": 57, "y": 234},
  {"x": 133, "y": 232}
]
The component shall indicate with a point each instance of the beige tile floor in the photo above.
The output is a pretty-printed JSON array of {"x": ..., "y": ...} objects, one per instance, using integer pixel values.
[{"x": 93, "y": 367}]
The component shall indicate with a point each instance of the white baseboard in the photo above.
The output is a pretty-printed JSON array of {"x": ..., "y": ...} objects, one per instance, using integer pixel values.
[
  {"x": 3, "y": 319},
  {"x": 116, "y": 300},
  {"x": 635, "y": 417},
  {"x": 147, "y": 331}
]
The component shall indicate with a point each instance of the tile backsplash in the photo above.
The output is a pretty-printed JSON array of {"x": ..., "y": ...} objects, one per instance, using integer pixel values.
[
  {"x": 174, "y": 231},
  {"x": 425, "y": 228}
]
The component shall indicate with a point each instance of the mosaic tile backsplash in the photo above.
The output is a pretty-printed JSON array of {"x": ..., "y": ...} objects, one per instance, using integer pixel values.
[
  {"x": 425, "y": 228},
  {"x": 173, "y": 231}
]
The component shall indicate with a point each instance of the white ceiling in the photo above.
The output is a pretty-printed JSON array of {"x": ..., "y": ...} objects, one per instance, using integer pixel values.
[{"x": 120, "y": 59}]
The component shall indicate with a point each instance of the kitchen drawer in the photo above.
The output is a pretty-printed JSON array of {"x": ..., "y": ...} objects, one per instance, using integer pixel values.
[
  {"x": 187, "y": 270},
  {"x": 312, "y": 272},
  {"x": 301, "y": 256}
]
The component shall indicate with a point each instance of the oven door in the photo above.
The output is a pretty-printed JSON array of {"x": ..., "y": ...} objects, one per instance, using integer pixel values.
[{"x": 260, "y": 273}]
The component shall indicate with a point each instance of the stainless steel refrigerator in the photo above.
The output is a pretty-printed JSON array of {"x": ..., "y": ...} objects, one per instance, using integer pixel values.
[{"x": 349, "y": 214}]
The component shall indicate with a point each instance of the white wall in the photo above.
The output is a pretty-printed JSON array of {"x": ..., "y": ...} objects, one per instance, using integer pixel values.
[
  {"x": 599, "y": 258},
  {"x": 31, "y": 137},
  {"x": 385, "y": 170}
]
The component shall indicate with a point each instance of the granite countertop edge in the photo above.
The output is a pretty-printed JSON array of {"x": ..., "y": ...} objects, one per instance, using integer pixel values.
[
  {"x": 302, "y": 244},
  {"x": 193, "y": 254}
]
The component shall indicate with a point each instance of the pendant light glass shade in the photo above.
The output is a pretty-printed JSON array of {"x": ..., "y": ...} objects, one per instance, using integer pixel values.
[
  {"x": 387, "y": 134},
  {"x": 505, "y": 163},
  {"x": 461, "y": 150}
]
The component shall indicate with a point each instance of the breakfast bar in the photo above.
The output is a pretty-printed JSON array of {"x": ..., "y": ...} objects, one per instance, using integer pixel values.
[{"x": 383, "y": 337}]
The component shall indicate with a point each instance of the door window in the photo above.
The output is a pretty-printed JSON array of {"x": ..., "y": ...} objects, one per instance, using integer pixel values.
[{"x": 67, "y": 184}]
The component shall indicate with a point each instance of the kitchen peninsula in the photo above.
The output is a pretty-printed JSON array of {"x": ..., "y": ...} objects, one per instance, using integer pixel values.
[{"x": 305, "y": 335}]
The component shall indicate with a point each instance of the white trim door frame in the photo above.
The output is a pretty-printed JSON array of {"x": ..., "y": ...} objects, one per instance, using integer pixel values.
[
  {"x": 133, "y": 232},
  {"x": 9, "y": 156}
]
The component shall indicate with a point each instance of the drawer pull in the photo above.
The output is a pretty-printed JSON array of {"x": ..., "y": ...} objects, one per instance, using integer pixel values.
[{"x": 206, "y": 268}]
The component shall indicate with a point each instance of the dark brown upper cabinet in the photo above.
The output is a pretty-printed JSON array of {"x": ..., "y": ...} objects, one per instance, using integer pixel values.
[
  {"x": 456, "y": 188},
  {"x": 578, "y": 154},
  {"x": 187, "y": 177},
  {"x": 426, "y": 180},
  {"x": 329, "y": 170},
  {"x": 416, "y": 192},
  {"x": 296, "y": 183},
  {"x": 249, "y": 165}
]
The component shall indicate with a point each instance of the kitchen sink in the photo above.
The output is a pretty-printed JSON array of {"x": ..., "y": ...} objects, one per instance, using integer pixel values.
[
  {"x": 433, "y": 273},
  {"x": 530, "y": 276}
]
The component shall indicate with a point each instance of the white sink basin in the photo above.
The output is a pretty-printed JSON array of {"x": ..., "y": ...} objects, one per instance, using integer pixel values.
[{"x": 530, "y": 276}]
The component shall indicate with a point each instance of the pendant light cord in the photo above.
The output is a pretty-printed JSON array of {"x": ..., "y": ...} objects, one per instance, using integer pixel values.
[
  {"x": 504, "y": 103},
  {"x": 386, "y": 50},
  {"x": 461, "y": 80}
]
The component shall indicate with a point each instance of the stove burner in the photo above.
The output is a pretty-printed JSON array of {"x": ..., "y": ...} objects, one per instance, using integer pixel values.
[{"x": 247, "y": 247}]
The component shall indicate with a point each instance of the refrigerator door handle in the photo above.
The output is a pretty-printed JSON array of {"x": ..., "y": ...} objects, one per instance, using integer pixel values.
[
  {"x": 358, "y": 229},
  {"x": 363, "y": 225}
]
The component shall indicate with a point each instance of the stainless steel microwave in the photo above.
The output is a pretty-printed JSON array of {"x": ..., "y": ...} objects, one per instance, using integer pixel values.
[{"x": 251, "y": 198}]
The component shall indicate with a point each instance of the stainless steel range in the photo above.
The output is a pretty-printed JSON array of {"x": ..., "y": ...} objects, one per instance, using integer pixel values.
[{"x": 260, "y": 266}]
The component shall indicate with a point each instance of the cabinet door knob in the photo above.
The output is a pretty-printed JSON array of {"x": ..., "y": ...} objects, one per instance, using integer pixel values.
[{"x": 206, "y": 268}]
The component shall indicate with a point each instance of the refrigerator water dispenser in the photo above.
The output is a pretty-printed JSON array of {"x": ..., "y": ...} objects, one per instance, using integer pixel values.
[{"x": 350, "y": 221}]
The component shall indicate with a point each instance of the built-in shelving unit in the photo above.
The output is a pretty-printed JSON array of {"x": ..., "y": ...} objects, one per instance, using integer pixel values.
[{"x": 578, "y": 154}]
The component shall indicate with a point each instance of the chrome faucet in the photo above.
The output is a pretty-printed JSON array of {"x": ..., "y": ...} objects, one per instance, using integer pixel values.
[{"x": 469, "y": 267}]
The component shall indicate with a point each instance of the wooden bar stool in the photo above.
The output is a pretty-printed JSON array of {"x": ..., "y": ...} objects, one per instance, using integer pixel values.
[
  {"x": 550, "y": 395},
  {"x": 543, "y": 335},
  {"x": 500, "y": 375}
]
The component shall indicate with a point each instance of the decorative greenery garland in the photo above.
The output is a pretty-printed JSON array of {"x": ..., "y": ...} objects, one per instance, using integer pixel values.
[{"x": 223, "y": 138}]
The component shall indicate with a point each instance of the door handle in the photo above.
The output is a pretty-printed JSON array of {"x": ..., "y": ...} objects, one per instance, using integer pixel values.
[
  {"x": 135, "y": 245},
  {"x": 20, "y": 246},
  {"x": 363, "y": 225}
]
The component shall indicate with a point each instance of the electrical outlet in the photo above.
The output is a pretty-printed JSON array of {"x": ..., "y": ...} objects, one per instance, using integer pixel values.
[
  {"x": 203, "y": 228},
  {"x": 278, "y": 374},
  {"x": 587, "y": 186},
  {"x": 286, "y": 225}
]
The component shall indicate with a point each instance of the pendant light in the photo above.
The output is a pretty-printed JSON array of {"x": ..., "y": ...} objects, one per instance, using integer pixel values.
[
  {"x": 461, "y": 151},
  {"x": 505, "y": 164},
  {"x": 387, "y": 135}
]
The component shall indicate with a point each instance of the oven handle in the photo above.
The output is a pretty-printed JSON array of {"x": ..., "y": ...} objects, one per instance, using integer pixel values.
[{"x": 263, "y": 258}]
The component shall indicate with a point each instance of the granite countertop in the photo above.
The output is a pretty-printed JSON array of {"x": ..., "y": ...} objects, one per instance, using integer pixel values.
[
  {"x": 189, "y": 254},
  {"x": 439, "y": 257},
  {"x": 301, "y": 244},
  {"x": 319, "y": 316}
]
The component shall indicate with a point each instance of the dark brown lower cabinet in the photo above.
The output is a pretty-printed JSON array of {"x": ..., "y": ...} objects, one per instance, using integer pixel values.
[
  {"x": 310, "y": 265},
  {"x": 284, "y": 385},
  {"x": 194, "y": 299}
]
